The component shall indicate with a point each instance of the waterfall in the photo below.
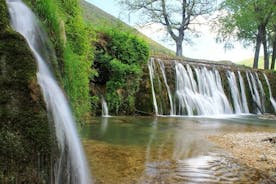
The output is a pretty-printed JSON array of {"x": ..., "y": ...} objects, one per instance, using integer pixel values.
[
  {"x": 198, "y": 89},
  {"x": 205, "y": 97},
  {"x": 272, "y": 100},
  {"x": 235, "y": 92},
  {"x": 71, "y": 166},
  {"x": 254, "y": 92},
  {"x": 162, "y": 67},
  {"x": 151, "y": 67},
  {"x": 104, "y": 108}
]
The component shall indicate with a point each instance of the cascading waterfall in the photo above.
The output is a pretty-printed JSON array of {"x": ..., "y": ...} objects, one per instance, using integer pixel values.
[
  {"x": 151, "y": 67},
  {"x": 71, "y": 166},
  {"x": 243, "y": 96},
  {"x": 272, "y": 100},
  {"x": 235, "y": 92},
  {"x": 104, "y": 108},
  {"x": 254, "y": 91},
  {"x": 162, "y": 67},
  {"x": 200, "y": 90},
  {"x": 203, "y": 98}
]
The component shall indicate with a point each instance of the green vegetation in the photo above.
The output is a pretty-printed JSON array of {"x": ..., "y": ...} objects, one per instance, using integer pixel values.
[
  {"x": 252, "y": 22},
  {"x": 72, "y": 41},
  {"x": 249, "y": 62},
  {"x": 119, "y": 57},
  {"x": 98, "y": 18},
  {"x": 25, "y": 135}
]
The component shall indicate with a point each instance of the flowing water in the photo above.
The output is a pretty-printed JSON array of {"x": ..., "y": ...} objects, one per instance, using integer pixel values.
[
  {"x": 71, "y": 166},
  {"x": 203, "y": 90},
  {"x": 104, "y": 108},
  {"x": 169, "y": 150},
  {"x": 272, "y": 100}
]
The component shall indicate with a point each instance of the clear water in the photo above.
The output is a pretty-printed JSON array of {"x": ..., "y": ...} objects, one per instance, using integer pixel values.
[{"x": 168, "y": 150}]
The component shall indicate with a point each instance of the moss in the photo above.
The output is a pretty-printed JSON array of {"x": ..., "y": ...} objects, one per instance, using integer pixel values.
[
  {"x": 25, "y": 136},
  {"x": 4, "y": 21}
]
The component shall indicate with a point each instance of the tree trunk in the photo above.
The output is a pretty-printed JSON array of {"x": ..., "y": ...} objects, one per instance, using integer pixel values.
[
  {"x": 266, "y": 58},
  {"x": 273, "y": 55},
  {"x": 257, "y": 50},
  {"x": 179, "y": 49}
]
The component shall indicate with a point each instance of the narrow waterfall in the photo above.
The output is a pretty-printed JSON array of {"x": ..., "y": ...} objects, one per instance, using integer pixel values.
[
  {"x": 104, "y": 108},
  {"x": 71, "y": 166},
  {"x": 151, "y": 67},
  {"x": 272, "y": 100},
  {"x": 254, "y": 92},
  {"x": 203, "y": 90},
  {"x": 162, "y": 66},
  {"x": 235, "y": 92},
  {"x": 243, "y": 96}
]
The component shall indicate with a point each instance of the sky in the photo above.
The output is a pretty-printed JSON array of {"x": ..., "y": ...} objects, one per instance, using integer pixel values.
[{"x": 203, "y": 47}]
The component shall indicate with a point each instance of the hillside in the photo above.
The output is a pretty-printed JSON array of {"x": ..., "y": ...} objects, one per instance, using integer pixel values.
[
  {"x": 249, "y": 62},
  {"x": 99, "y": 18}
]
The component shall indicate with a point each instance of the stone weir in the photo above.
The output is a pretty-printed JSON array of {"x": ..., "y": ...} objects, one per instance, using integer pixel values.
[{"x": 192, "y": 88}]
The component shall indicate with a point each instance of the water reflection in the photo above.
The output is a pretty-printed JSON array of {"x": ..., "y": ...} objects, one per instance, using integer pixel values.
[
  {"x": 167, "y": 150},
  {"x": 104, "y": 125}
]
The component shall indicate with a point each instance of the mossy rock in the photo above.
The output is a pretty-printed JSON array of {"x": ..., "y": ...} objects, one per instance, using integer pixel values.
[
  {"x": 25, "y": 135},
  {"x": 4, "y": 21}
]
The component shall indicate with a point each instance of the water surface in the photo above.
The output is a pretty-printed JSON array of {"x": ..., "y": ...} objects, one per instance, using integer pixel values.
[{"x": 168, "y": 150}]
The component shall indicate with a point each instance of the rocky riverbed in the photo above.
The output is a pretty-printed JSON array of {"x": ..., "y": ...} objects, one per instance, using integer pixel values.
[{"x": 253, "y": 149}]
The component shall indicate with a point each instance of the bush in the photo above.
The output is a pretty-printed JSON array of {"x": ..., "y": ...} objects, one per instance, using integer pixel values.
[{"x": 118, "y": 60}]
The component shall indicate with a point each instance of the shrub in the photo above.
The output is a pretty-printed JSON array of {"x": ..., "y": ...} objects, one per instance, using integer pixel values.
[{"x": 118, "y": 60}]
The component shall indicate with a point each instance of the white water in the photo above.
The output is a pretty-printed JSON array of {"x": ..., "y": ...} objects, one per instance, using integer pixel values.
[
  {"x": 262, "y": 93},
  {"x": 151, "y": 67},
  {"x": 272, "y": 100},
  {"x": 254, "y": 91},
  {"x": 104, "y": 108},
  {"x": 243, "y": 96},
  {"x": 162, "y": 67},
  {"x": 199, "y": 90},
  {"x": 71, "y": 166},
  {"x": 204, "y": 96},
  {"x": 235, "y": 92}
]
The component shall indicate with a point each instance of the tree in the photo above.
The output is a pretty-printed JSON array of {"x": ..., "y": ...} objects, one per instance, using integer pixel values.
[
  {"x": 176, "y": 15},
  {"x": 272, "y": 38},
  {"x": 247, "y": 20}
]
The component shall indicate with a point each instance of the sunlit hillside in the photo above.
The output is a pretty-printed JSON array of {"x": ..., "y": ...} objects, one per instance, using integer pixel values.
[{"x": 99, "y": 18}]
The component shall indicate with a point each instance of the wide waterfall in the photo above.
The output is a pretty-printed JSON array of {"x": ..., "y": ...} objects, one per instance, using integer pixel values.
[
  {"x": 186, "y": 88},
  {"x": 71, "y": 165}
]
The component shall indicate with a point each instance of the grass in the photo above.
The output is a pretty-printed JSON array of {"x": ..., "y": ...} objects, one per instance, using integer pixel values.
[
  {"x": 98, "y": 18},
  {"x": 249, "y": 62}
]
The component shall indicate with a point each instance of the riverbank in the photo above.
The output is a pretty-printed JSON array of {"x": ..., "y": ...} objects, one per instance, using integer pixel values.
[{"x": 250, "y": 148}]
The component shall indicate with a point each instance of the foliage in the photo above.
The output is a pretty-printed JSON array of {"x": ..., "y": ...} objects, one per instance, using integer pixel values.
[
  {"x": 118, "y": 59},
  {"x": 97, "y": 18},
  {"x": 247, "y": 21},
  {"x": 176, "y": 16},
  {"x": 72, "y": 40}
]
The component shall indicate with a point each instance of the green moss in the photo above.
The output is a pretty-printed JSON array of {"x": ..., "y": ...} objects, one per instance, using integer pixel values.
[
  {"x": 25, "y": 136},
  {"x": 4, "y": 21}
]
